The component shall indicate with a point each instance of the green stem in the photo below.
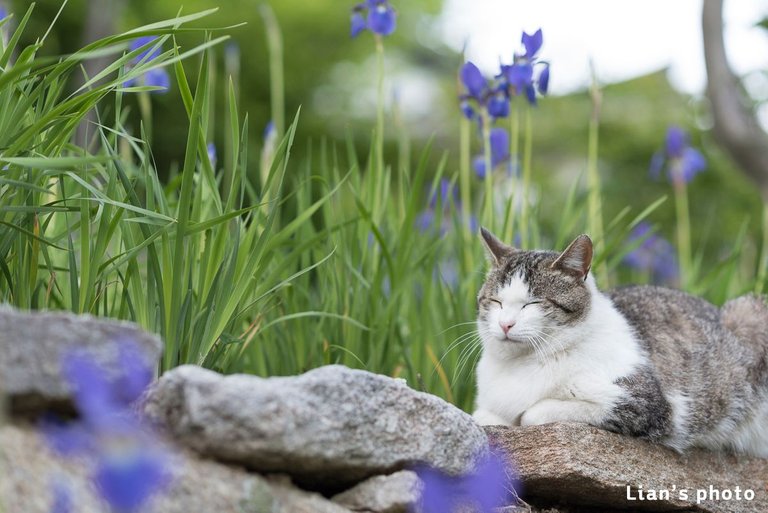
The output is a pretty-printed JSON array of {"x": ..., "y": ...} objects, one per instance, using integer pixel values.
[
  {"x": 488, "y": 210},
  {"x": 145, "y": 108},
  {"x": 276, "y": 73},
  {"x": 762, "y": 271},
  {"x": 378, "y": 167},
  {"x": 514, "y": 153},
  {"x": 683, "y": 233},
  {"x": 594, "y": 186},
  {"x": 464, "y": 186},
  {"x": 527, "y": 152}
]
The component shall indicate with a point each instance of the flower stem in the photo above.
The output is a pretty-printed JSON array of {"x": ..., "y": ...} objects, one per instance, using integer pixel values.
[
  {"x": 514, "y": 152},
  {"x": 527, "y": 152},
  {"x": 595, "y": 206},
  {"x": 276, "y": 75},
  {"x": 762, "y": 271},
  {"x": 683, "y": 233},
  {"x": 464, "y": 187},
  {"x": 378, "y": 168},
  {"x": 488, "y": 210}
]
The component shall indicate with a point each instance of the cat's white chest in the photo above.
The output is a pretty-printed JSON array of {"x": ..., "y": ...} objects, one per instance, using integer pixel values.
[
  {"x": 507, "y": 389},
  {"x": 578, "y": 384}
]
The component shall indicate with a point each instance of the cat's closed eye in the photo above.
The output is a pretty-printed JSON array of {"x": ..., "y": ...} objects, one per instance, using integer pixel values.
[{"x": 534, "y": 302}]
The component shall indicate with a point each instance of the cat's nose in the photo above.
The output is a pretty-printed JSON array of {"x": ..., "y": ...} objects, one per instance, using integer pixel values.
[{"x": 506, "y": 326}]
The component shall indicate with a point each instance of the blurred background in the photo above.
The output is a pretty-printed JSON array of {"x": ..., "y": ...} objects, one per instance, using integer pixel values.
[{"x": 648, "y": 56}]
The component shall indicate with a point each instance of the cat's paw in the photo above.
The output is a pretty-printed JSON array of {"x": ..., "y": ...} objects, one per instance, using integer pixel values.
[
  {"x": 540, "y": 413},
  {"x": 486, "y": 418}
]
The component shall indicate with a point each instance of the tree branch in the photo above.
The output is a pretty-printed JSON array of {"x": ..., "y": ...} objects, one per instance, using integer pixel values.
[{"x": 736, "y": 127}]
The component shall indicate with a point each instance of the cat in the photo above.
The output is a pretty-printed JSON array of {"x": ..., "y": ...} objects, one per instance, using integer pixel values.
[{"x": 643, "y": 361}]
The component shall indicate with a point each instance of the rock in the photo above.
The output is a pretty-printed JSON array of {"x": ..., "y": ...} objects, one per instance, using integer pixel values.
[
  {"x": 394, "y": 493},
  {"x": 582, "y": 466},
  {"x": 31, "y": 344},
  {"x": 29, "y": 471},
  {"x": 329, "y": 428}
]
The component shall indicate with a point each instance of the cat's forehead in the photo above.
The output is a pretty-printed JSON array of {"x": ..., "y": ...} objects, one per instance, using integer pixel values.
[{"x": 525, "y": 265}]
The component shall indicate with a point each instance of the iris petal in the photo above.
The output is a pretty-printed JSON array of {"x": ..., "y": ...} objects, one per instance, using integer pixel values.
[
  {"x": 141, "y": 41},
  {"x": 473, "y": 80},
  {"x": 530, "y": 94},
  {"x": 498, "y": 106},
  {"x": 532, "y": 43},
  {"x": 499, "y": 146},
  {"x": 382, "y": 19},
  {"x": 158, "y": 78},
  {"x": 544, "y": 80},
  {"x": 676, "y": 141},
  {"x": 126, "y": 481},
  {"x": 692, "y": 163},
  {"x": 357, "y": 24},
  {"x": 519, "y": 76}
]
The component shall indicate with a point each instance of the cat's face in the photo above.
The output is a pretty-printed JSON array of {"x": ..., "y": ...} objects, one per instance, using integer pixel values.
[{"x": 531, "y": 297}]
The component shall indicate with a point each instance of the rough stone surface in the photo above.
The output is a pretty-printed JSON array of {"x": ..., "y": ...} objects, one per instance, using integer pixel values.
[
  {"x": 31, "y": 344},
  {"x": 29, "y": 470},
  {"x": 585, "y": 467},
  {"x": 329, "y": 428},
  {"x": 393, "y": 493}
]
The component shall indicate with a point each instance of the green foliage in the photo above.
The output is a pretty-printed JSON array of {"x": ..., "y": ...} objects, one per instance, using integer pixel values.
[
  {"x": 98, "y": 233},
  {"x": 322, "y": 259}
]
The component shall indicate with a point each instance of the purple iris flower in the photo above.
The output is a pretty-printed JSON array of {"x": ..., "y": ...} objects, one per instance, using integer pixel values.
[
  {"x": 212, "y": 154},
  {"x": 519, "y": 77},
  {"x": 157, "y": 77},
  {"x": 378, "y": 16},
  {"x": 3, "y": 13},
  {"x": 152, "y": 52},
  {"x": 682, "y": 160},
  {"x": 488, "y": 487},
  {"x": 499, "y": 152},
  {"x": 126, "y": 481},
  {"x": 655, "y": 255},
  {"x": 62, "y": 497},
  {"x": 445, "y": 196},
  {"x": 481, "y": 95},
  {"x": 130, "y": 464}
]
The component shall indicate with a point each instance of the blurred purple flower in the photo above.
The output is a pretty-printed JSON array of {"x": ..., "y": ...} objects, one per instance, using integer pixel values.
[
  {"x": 375, "y": 15},
  {"x": 655, "y": 255},
  {"x": 152, "y": 51},
  {"x": 518, "y": 78},
  {"x": 157, "y": 77},
  {"x": 499, "y": 152},
  {"x": 130, "y": 464},
  {"x": 3, "y": 12},
  {"x": 212, "y": 154},
  {"x": 683, "y": 162},
  {"x": 62, "y": 497},
  {"x": 480, "y": 94},
  {"x": 125, "y": 481},
  {"x": 442, "y": 211},
  {"x": 489, "y": 486}
]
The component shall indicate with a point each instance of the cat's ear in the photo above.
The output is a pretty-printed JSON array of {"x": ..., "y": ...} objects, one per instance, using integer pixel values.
[
  {"x": 497, "y": 250},
  {"x": 577, "y": 257}
]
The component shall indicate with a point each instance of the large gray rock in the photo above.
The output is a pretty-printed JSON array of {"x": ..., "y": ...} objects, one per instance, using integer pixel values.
[
  {"x": 393, "y": 493},
  {"x": 31, "y": 345},
  {"x": 328, "y": 428},
  {"x": 29, "y": 472},
  {"x": 585, "y": 467}
]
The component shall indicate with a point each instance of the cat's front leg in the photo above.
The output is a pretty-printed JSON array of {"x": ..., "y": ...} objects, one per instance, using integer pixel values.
[
  {"x": 487, "y": 418},
  {"x": 556, "y": 410}
]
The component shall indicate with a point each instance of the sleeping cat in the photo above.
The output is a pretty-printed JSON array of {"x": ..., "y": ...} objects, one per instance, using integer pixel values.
[{"x": 644, "y": 361}]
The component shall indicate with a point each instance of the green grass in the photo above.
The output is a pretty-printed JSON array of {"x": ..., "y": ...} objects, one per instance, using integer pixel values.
[{"x": 271, "y": 272}]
